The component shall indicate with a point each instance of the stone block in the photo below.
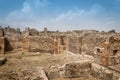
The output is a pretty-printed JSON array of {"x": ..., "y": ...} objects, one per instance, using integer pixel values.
[
  {"x": 61, "y": 71},
  {"x": 101, "y": 72},
  {"x": 54, "y": 73},
  {"x": 77, "y": 69}
]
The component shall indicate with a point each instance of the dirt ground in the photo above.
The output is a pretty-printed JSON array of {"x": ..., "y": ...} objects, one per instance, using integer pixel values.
[{"x": 18, "y": 60}]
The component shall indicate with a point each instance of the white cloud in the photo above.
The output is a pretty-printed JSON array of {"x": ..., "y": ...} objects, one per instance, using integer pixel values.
[
  {"x": 26, "y": 14},
  {"x": 95, "y": 18}
]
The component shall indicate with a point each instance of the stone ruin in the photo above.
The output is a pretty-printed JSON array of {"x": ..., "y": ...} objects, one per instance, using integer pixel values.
[{"x": 103, "y": 46}]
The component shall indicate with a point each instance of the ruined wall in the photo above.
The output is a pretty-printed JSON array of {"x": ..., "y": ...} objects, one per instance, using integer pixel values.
[
  {"x": 108, "y": 53},
  {"x": 90, "y": 41},
  {"x": 2, "y": 45},
  {"x": 42, "y": 44},
  {"x": 73, "y": 43},
  {"x": 114, "y": 50},
  {"x": 12, "y": 38},
  {"x": 32, "y": 32},
  {"x": 84, "y": 41},
  {"x": 44, "y": 41},
  {"x": 38, "y": 44},
  {"x": 2, "y": 41},
  {"x": 60, "y": 44}
]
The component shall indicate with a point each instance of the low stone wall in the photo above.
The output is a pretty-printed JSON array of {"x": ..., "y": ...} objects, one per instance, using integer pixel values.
[{"x": 79, "y": 69}]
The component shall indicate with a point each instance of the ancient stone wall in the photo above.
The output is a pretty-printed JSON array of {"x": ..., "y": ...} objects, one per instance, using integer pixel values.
[
  {"x": 73, "y": 43},
  {"x": 2, "y": 41},
  {"x": 13, "y": 38},
  {"x": 81, "y": 41},
  {"x": 38, "y": 44},
  {"x": 90, "y": 41},
  {"x": 109, "y": 52},
  {"x": 32, "y": 32},
  {"x": 114, "y": 50},
  {"x": 86, "y": 41},
  {"x": 42, "y": 44}
]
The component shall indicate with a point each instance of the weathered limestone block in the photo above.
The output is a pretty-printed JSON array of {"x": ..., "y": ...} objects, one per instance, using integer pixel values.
[
  {"x": 61, "y": 71},
  {"x": 101, "y": 72},
  {"x": 33, "y": 74},
  {"x": 54, "y": 72},
  {"x": 77, "y": 69}
]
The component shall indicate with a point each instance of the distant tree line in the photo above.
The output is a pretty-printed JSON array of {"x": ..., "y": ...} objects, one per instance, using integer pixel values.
[{"x": 112, "y": 31}]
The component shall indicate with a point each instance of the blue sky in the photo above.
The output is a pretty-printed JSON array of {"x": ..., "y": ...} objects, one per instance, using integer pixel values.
[{"x": 61, "y": 14}]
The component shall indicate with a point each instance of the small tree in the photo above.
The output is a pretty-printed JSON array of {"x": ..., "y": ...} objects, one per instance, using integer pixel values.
[{"x": 112, "y": 31}]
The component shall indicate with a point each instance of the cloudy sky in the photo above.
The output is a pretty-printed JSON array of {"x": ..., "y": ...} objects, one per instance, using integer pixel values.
[{"x": 61, "y": 14}]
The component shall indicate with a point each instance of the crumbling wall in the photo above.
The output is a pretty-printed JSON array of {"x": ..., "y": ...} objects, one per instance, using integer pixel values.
[
  {"x": 73, "y": 43},
  {"x": 32, "y": 32},
  {"x": 90, "y": 41},
  {"x": 13, "y": 38},
  {"x": 84, "y": 41},
  {"x": 114, "y": 50},
  {"x": 42, "y": 44},
  {"x": 38, "y": 44},
  {"x": 79, "y": 69},
  {"x": 109, "y": 52}
]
